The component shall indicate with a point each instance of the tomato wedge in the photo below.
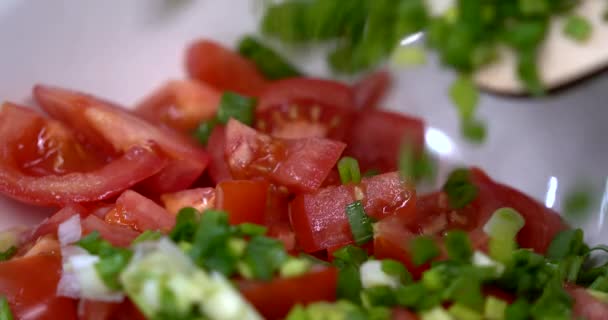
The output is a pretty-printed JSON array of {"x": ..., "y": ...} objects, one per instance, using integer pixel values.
[
  {"x": 180, "y": 105},
  {"x": 586, "y": 306},
  {"x": 376, "y": 138},
  {"x": 244, "y": 200},
  {"x": 116, "y": 234},
  {"x": 200, "y": 199},
  {"x": 30, "y": 286},
  {"x": 369, "y": 91},
  {"x": 319, "y": 219},
  {"x": 211, "y": 63},
  {"x": 218, "y": 168},
  {"x": 298, "y": 164},
  {"x": 116, "y": 130},
  {"x": 274, "y": 299},
  {"x": 140, "y": 213}
]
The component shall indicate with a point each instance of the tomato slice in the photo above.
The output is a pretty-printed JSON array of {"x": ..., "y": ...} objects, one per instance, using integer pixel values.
[
  {"x": 274, "y": 299},
  {"x": 211, "y": 63},
  {"x": 30, "y": 286},
  {"x": 218, "y": 168},
  {"x": 319, "y": 219},
  {"x": 180, "y": 104},
  {"x": 369, "y": 91},
  {"x": 200, "y": 199},
  {"x": 376, "y": 138},
  {"x": 298, "y": 164},
  {"x": 140, "y": 213},
  {"x": 116, "y": 234},
  {"x": 244, "y": 200},
  {"x": 116, "y": 130},
  {"x": 585, "y": 305}
]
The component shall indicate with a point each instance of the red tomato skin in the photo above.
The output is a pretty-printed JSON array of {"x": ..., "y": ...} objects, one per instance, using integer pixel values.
[
  {"x": 180, "y": 105},
  {"x": 274, "y": 299},
  {"x": 244, "y": 200},
  {"x": 115, "y": 130},
  {"x": 117, "y": 235},
  {"x": 319, "y": 219},
  {"x": 211, "y": 63},
  {"x": 31, "y": 293},
  {"x": 380, "y": 150},
  {"x": 403, "y": 314},
  {"x": 51, "y": 224},
  {"x": 200, "y": 199},
  {"x": 308, "y": 91},
  {"x": 587, "y": 306},
  {"x": 141, "y": 213},
  {"x": 96, "y": 310},
  {"x": 371, "y": 89},
  {"x": 300, "y": 165},
  {"x": 218, "y": 168}
]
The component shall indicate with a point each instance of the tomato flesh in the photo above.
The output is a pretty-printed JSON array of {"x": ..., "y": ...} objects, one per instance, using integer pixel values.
[
  {"x": 244, "y": 200},
  {"x": 299, "y": 164},
  {"x": 139, "y": 213},
  {"x": 274, "y": 299},
  {"x": 117, "y": 234},
  {"x": 216, "y": 145},
  {"x": 200, "y": 199},
  {"x": 180, "y": 105},
  {"x": 369, "y": 91},
  {"x": 319, "y": 218}
]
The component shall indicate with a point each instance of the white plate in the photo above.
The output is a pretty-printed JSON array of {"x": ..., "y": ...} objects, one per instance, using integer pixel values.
[{"x": 123, "y": 49}]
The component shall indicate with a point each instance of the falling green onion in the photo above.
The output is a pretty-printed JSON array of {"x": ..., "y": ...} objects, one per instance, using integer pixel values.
[
  {"x": 186, "y": 223},
  {"x": 271, "y": 64},
  {"x": 234, "y": 105},
  {"x": 578, "y": 28},
  {"x": 458, "y": 246},
  {"x": 502, "y": 227},
  {"x": 5, "y": 310},
  {"x": 264, "y": 256},
  {"x": 348, "y": 168},
  {"x": 204, "y": 130},
  {"x": 423, "y": 249},
  {"x": 360, "y": 223},
  {"x": 459, "y": 188},
  {"x": 408, "y": 56}
]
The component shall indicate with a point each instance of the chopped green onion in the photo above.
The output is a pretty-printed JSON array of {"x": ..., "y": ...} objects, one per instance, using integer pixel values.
[
  {"x": 186, "y": 223},
  {"x": 396, "y": 269},
  {"x": 372, "y": 275},
  {"x": 423, "y": 249},
  {"x": 294, "y": 267},
  {"x": 360, "y": 223},
  {"x": 566, "y": 243},
  {"x": 533, "y": 7},
  {"x": 504, "y": 223},
  {"x": 412, "y": 295},
  {"x": 251, "y": 229},
  {"x": 437, "y": 313},
  {"x": 462, "y": 312},
  {"x": 473, "y": 130},
  {"x": 349, "y": 170},
  {"x": 272, "y": 65},
  {"x": 520, "y": 309},
  {"x": 408, "y": 56},
  {"x": 466, "y": 290},
  {"x": 376, "y": 296},
  {"x": 459, "y": 188},
  {"x": 570, "y": 268},
  {"x": 465, "y": 96},
  {"x": 264, "y": 256},
  {"x": 554, "y": 303},
  {"x": 234, "y": 105},
  {"x": 350, "y": 255},
  {"x": 349, "y": 283},
  {"x": 210, "y": 246},
  {"x": 494, "y": 308},
  {"x": 578, "y": 28},
  {"x": 577, "y": 204},
  {"x": 204, "y": 130},
  {"x": 112, "y": 260},
  {"x": 599, "y": 295},
  {"x": 5, "y": 310},
  {"x": 147, "y": 236},
  {"x": 8, "y": 253},
  {"x": 458, "y": 246},
  {"x": 414, "y": 166},
  {"x": 600, "y": 284}
]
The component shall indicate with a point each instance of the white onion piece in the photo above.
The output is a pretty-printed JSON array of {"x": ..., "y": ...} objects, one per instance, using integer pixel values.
[{"x": 69, "y": 231}]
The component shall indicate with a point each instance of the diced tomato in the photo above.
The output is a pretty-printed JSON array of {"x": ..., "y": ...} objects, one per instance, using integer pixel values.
[
  {"x": 369, "y": 91},
  {"x": 403, "y": 314},
  {"x": 216, "y": 145},
  {"x": 30, "y": 286},
  {"x": 139, "y": 213},
  {"x": 307, "y": 91},
  {"x": 50, "y": 225},
  {"x": 209, "y": 62},
  {"x": 299, "y": 164},
  {"x": 391, "y": 241},
  {"x": 118, "y": 235},
  {"x": 116, "y": 130},
  {"x": 244, "y": 200},
  {"x": 586, "y": 306},
  {"x": 319, "y": 218},
  {"x": 200, "y": 199},
  {"x": 376, "y": 138},
  {"x": 180, "y": 105},
  {"x": 274, "y": 299},
  {"x": 276, "y": 217},
  {"x": 20, "y": 127},
  {"x": 97, "y": 310}
]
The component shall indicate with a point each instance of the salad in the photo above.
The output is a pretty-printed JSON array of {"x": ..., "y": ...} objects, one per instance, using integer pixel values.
[{"x": 233, "y": 195}]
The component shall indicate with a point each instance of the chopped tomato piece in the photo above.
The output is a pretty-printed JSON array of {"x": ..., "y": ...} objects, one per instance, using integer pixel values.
[
  {"x": 50, "y": 225},
  {"x": 391, "y": 241},
  {"x": 319, "y": 218},
  {"x": 307, "y": 91},
  {"x": 218, "y": 168},
  {"x": 376, "y": 138},
  {"x": 114, "y": 129},
  {"x": 118, "y": 235},
  {"x": 211, "y": 63},
  {"x": 403, "y": 314},
  {"x": 180, "y": 105},
  {"x": 244, "y": 200},
  {"x": 274, "y": 299},
  {"x": 299, "y": 164},
  {"x": 97, "y": 310},
  {"x": 139, "y": 213},
  {"x": 200, "y": 199},
  {"x": 369, "y": 91},
  {"x": 30, "y": 285},
  {"x": 586, "y": 306}
]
